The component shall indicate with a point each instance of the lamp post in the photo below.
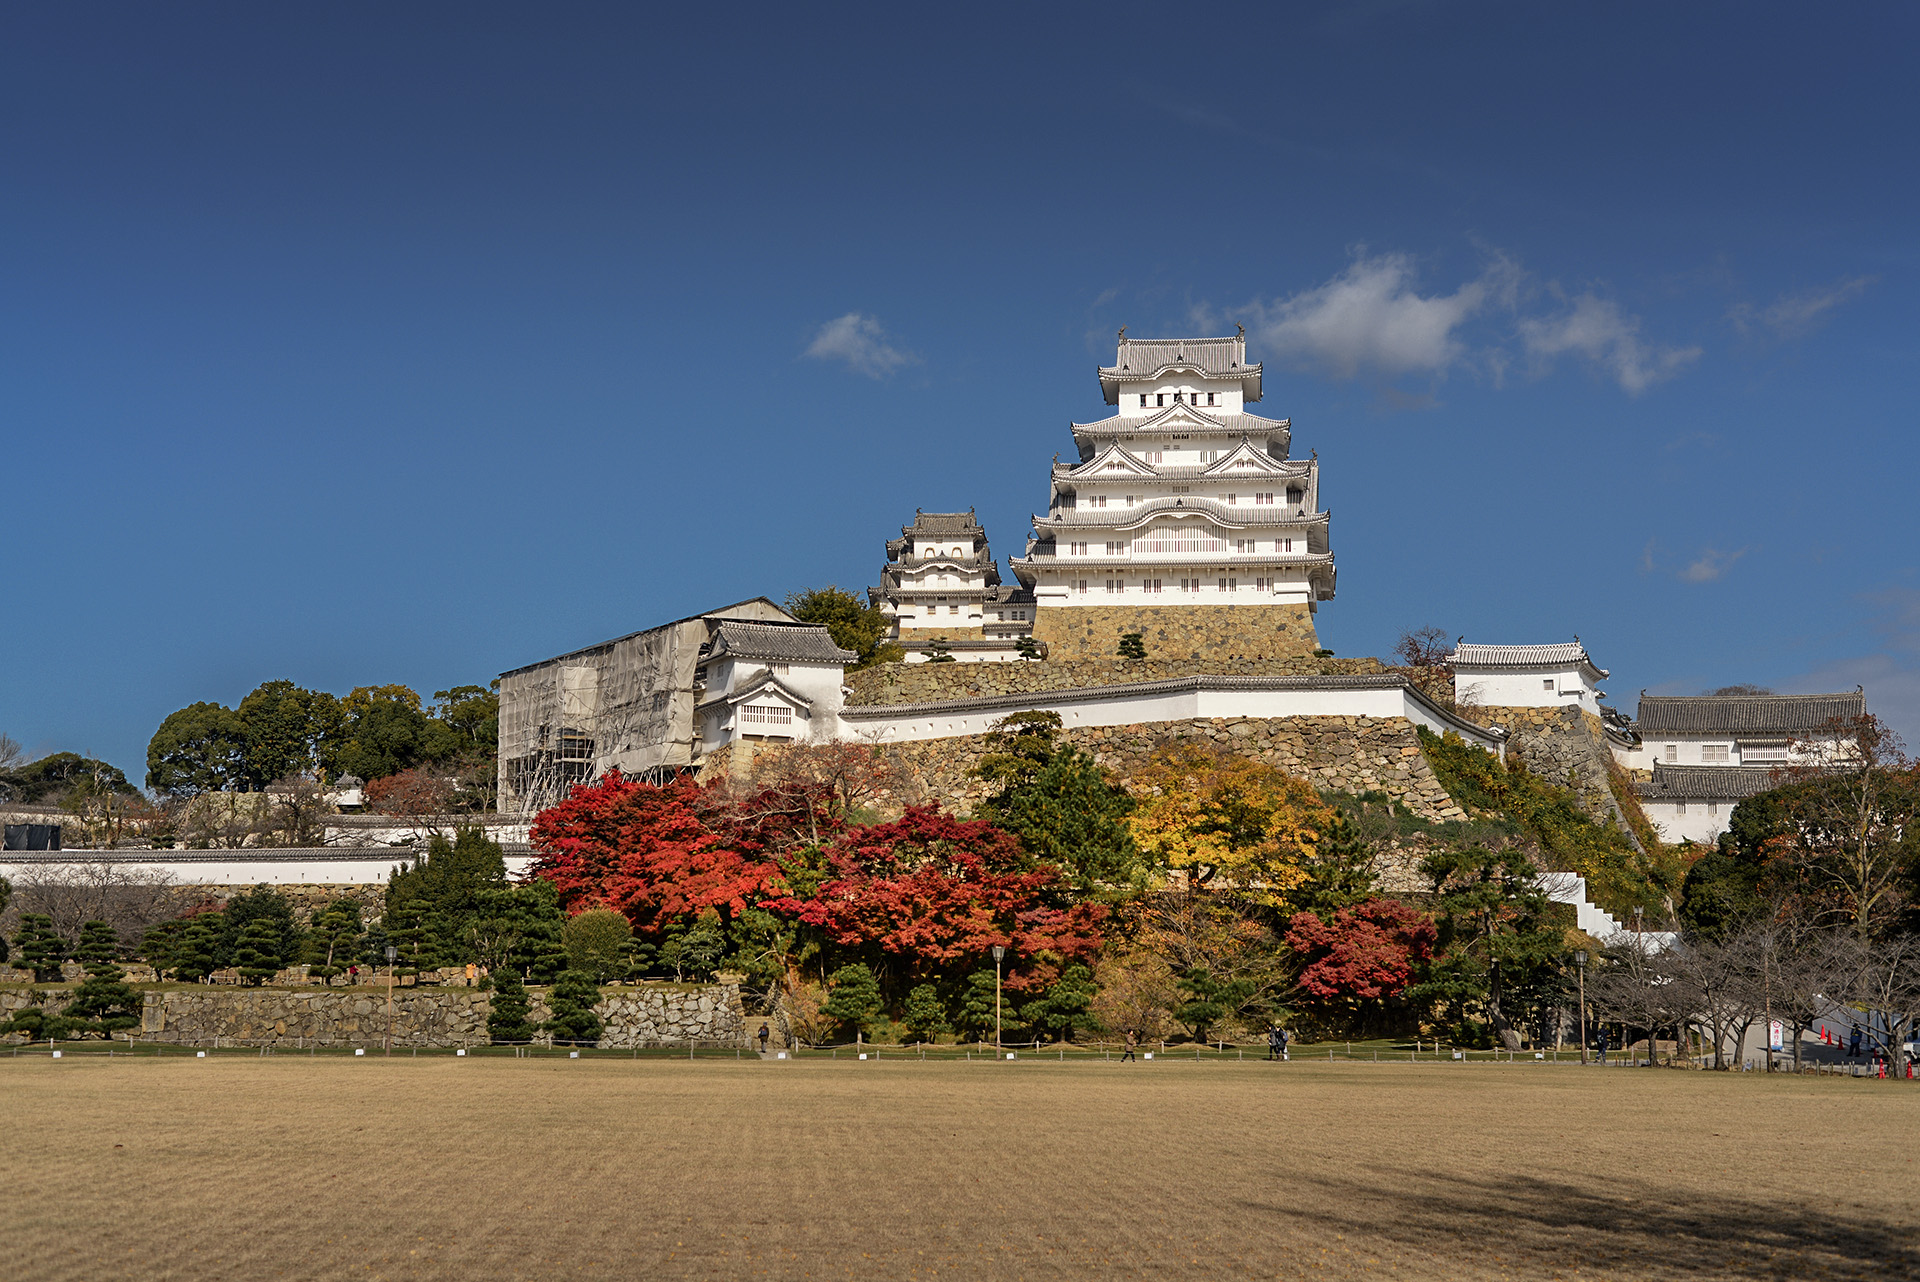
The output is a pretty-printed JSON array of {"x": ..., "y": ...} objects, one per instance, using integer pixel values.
[
  {"x": 999, "y": 951},
  {"x": 1640, "y": 943},
  {"x": 392, "y": 953},
  {"x": 1580, "y": 963}
]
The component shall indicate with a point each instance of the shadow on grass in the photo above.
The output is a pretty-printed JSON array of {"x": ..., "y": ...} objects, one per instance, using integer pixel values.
[{"x": 1635, "y": 1228}]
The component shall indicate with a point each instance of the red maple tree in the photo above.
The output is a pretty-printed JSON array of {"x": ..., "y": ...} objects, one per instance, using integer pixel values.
[
  {"x": 1367, "y": 953},
  {"x": 650, "y": 852},
  {"x": 930, "y": 893}
]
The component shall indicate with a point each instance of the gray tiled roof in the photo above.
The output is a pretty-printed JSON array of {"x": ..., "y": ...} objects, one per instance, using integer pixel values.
[
  {"x": 1740, "y": 714},
  {"x": 942, "y": 525},
  {"x": 1559, "y": 655},
  {"x": 1219, "y": 357},
  {"x": 741, "y": 694},
  {"x": 1707, "y": 783},
  {"x": 1249, "y": 425},
  {"x": 777, "y": 643}
]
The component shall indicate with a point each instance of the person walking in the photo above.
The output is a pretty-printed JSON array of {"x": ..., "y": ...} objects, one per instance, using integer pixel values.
[
  {"x": 1131, "y": 1040},
  {"x": 765, "y": 1033},
  {"x": 1284, "y": 1039},
  {"x": 1853, "y": 1044},
  {"x": 1600, "y": 1042}
]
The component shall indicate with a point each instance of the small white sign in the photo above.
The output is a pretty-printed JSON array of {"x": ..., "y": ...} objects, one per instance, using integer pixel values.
[
  {"x": 460, "y": 1054},
  {"x": 779, "y": 1054},
  {"x": 199, "y": 1054},
  {"x": 1009, "y": 1054},
  {"x": 1775, "y": 1035},
  {"x": 1149, "y": 1054},
  {"x": 576, "y": 1055},
  {"x": 56, "y": 1054},
  {"x": 863, "y": 1055},
  {"x": 1459, "y": 1055},
  {"x": 359, "y": 1050}
]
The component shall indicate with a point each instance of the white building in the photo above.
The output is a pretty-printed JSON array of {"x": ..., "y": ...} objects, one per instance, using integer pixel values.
[
  {"x": 1526, "y": 676},
  {"x": 941, "y": 591},
  {"x": 647, "y": 702},
  {"x": 1183, "y": 502},
  {"x": 1734, "y": 729},
  {"x": 774, "y": 682},
  {"x": 1707, "y": 753}
]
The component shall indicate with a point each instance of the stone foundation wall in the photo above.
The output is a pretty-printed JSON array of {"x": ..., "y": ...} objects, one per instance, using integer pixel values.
[
  {"x": 896, "y": 683},
  {"x": 646, "y": 1015},
  {"x": 1354, "y": 754},
  {"x": 1179, "y": 631},
  {"x": 917, "y": 638},
  {"x": 1566, "y": 746}
]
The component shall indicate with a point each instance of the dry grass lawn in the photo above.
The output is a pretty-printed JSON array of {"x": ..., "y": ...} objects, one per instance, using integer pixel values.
[{"x": 288, "y": 1167}]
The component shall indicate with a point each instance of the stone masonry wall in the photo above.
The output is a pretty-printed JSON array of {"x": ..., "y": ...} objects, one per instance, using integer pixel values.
[
  {"x": 896, "y": 683},
  {"x": 1179, "y": 631},
  {"x": 1354, "y": 754},
  {"x": 646, "y": 1015},
  {"x": 1566, "y": 746}
]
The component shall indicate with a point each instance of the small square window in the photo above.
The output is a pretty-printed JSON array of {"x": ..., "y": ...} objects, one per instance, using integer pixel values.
[
  {"x": 1673, "y": 752},
  {"x": 1143, "y": 400},
  {"x": 1547, "y": 685},
  {"x": 1714, "y": 753},
  {"x": 1679, "y": 807},
  {"x": 1286, "y": 545},
  {"x": 1162, "y": 397}
]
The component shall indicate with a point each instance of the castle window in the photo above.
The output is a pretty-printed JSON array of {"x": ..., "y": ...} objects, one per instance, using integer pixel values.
[
  {"x": 1228, "y": 585},
  {"x": 1286, "y": 545},
  {"x": 953, "y": 609},
  {"x": 1132, "y": 499},
  {"x": 1143, "y": 400},
  {"x": 1209, "y": 398},
  {"x": 1262, "y": 500},
  {"x": 766, "y": 714},
  {"x": 1150, "y": 585},
  {"x": 1296, "y": 496},
  {"x": 1714, "y": 753},
  {"x": 1115, "y": 548},
  {"x": 1261, "y": 585},
  {"x": 1673, "y": 752},
  {"x": 1162, "y": 397},
  {"x": 1233, "y": 500},
  {"x": 1153, "y": 456},
  {"x": 1076, "y": 549},
  {"x": 1099, "y": 500},
  {"x": 1713, "y": 809},
  {"x": 1080, "y": 586},
  {"x": 1176, "y": 398},
  {"x": 1114, "y": 586}
]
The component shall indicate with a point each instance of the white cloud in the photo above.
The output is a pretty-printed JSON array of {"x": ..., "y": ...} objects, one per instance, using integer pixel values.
[
  {"x": 1710, "y": 565},
  {"x": 1371, "y": 317},
  {"x": 1596, "y": 328},
  {"x": 1791, "y": 315},
  {"x": 860, "y": 341}
]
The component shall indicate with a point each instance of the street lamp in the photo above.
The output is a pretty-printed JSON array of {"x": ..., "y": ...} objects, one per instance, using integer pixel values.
[
  {"x": 1580, "y": 962},
  {"x": 1640, "y": 944},
  {"x": 999, "y": 951},
  {"x": 392, "y": 953}
]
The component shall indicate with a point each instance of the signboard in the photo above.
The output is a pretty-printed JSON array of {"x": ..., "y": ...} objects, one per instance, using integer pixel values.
[{"x": 1774, "y": 1031}]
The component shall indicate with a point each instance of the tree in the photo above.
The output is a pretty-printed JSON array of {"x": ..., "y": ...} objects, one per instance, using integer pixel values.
[
  {"x": 507, "y": 1010},
  {"x": 979, "y": 1002},
  {"x": 1060, "y": 804},
  {"x": 298, "y": 806},
  {"x": 930, "y": 895},
  {"x": 1852, "y": 835},
  {"x": 256, "y": 952},
  {"x": 1228, "y": 820},
  {"x": 431, "y": 904},
  {"x": 49, "y": 779},
  {"x": 938, "y": 651},
  {"x": 852, "y": 624},
  {"x": 1027, "y": 648},
  {"x": 196, "y": 953},
  {"x": 596, "y": 942},
  {"x": 287, "y": 731},
  {"x": 1495, "y": 932},
  {"x": 694, "y": 951},
  {"x": 1357, "y": 959},
  {"x": 414, "y": 793},
  {"x": 1132, "y": 645},
  {"x": 571, "y": 1003},
  {"x": 472, "y": 715},
  {"x": 1424, "y": 648},
  {"x": 333, "y": 942},
  {"x": 1210, "y": 998},
  {"x": 280, "y": 937},
  {"x": 383, "y": 732},
  {"x": 200, "y": 748},
  {"x": 104, "y": 1003},
  {"x": 1338, "y": 868},
  {"x": 517, "y": 929},
  {"x": 647, "y": 852},
  {"x": 38, "y": 948},
  {"x": 853, "y": 996},
  {"x": 6, "y": 896},
  {"x": 925, "y": 1015},
  {"x": 1064, "y": 1006}
]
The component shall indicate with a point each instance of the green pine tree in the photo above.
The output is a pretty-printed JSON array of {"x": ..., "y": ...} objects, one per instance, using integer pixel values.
[
  {"x": 257, "y": 952},
  {"x": 262, "y": 903},
  {"x": 160, "y": 946},
  {"x": 1132, "y": 645},
  {"x": 507, "y": 1009},
  {"x": 104, "y": 1003},
  {"x": 1064, "y": 1006},
  {"x": 976, "y": 1004},
  {"x": 37, "y": 1021},
  {"x": 926, "y": 1014},
  {"x": 1210, "y": 999},
  {"x": 333, "y": 942},
  {"x": 1339, "y": 869},
  {"x": 571, "y": 1002},
  {"x": 197, "y": 950},
  {"x": 41, "y": 949},
  {"x": 853, "y": 996}
]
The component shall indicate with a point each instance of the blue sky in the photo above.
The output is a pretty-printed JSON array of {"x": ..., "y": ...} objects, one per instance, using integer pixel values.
[{"x": 359, "y": 344}]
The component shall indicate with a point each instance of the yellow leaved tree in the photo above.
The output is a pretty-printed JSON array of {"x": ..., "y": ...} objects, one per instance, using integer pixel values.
[{"x": 1228, "y": 822}]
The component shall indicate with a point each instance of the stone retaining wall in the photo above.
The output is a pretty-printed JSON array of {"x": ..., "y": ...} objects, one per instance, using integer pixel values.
[
  {"x": 1566, "y": 746},
  {"x": 639, "y": 1016},
  {"x": 1179, "y": 631},
  {"x": 896, "y": 683},
  {"x": 1353, "y": 754}
]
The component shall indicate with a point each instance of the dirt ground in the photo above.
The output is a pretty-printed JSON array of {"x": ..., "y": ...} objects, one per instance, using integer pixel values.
[{"x": 369, "y": 1168}]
